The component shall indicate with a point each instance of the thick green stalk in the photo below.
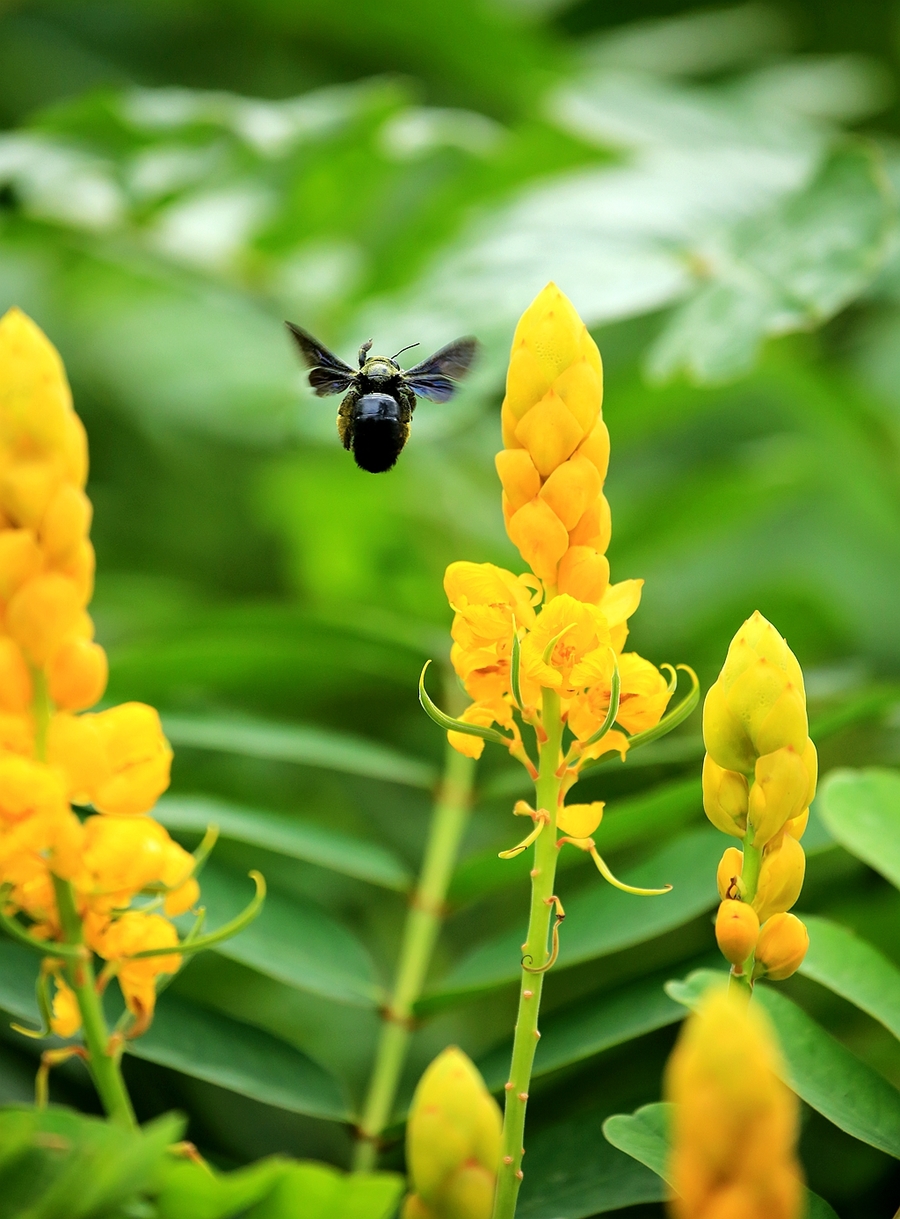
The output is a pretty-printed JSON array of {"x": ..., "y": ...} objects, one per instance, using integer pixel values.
[
  {"x": 103, "y": 1065},
  {"x": 749, "y": 881},
  {"x": 423, "y": 925},
  {"x": 543, "y": 876}
]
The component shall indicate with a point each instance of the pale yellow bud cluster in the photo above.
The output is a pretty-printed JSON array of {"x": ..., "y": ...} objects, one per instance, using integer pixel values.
[
  {"x": 452, "y": 1142},
  {"x": 735, "y": 1123},
  {"x": 759, "y": 778},
  {"x": 556, "y": 449}
]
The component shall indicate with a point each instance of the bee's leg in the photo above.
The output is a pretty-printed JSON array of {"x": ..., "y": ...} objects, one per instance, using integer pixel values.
[
  {"x": 407, "y": 400},
  {"x": 404, "y": 434},
  {"x": 345, "y": 421}
]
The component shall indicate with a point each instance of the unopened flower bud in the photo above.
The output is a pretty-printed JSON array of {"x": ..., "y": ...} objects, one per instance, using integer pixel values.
[
  {"x": 783, "y": 941},
  {"x": 65, "y": 1020},
  {"x": 778, "y": 794},
  {"x": 736, "y": 930},
  {"x": 66, "y": 523},
  {"x": 728, "y": 873},
  {"x": 139, "y": 757},
  {"x": 580, "y": 820},
  {"x": 42, "y": 613},
  {"x": 453, "y": 1140},
  {"x": 780, "y": 877},
  {"x": 584, "y": 574},
  {"x": 20, "y": 559},
  {"x": 76, "y": 675},
  {"x": 725, "y": 796},
  {"x": 15, "y": 679}
]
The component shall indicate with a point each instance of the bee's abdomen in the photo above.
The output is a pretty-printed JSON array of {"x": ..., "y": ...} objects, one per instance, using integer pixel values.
[{"x": 379, "y": 433}]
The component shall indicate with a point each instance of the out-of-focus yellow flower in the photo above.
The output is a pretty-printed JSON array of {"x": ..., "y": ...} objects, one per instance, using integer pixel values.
[
  {"x": 66, "y": 1016},
  {"x": 782, "y": 945},
  {"x": 135, "y": 932},
  {"x": 139, "y": 759},
  {"x": 737, "y": 929},
  {"x": 735, "y": 1122},
  {"x": 76, "y": 675},
  {"x": 452, "y": 1142}
]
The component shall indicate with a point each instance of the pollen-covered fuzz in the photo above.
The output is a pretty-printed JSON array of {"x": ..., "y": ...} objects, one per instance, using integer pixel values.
[
  {"x": 735, "y": 1124},
  {"x": 452, "y": 1142},
  {"x": 53, "y": 751}
]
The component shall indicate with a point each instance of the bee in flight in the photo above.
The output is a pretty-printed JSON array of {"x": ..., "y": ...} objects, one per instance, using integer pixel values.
[{"x": 373, "y": 419}]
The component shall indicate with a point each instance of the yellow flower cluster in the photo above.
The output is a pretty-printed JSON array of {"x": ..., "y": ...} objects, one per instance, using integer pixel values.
[
  {"x": 735, "y": 1122},
  {"x": 52, "y": 757},
  {"x": 759, "y": 778},
  {"x": 552, "y": 467},
  {"x": 452, "y": 1142}
]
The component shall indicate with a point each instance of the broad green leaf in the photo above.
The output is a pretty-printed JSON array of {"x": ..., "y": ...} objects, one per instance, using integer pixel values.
[
  {"x": 861, "y": 809},
  {"x": 57, "y": 1164},
  {"x": 788, "y": 270},
  {"x": 290, "y": 940},
  {"x": 591, "y": 1026},
  {"x": 602, "y": 920},
  {"x": 853, "y": 969},
  {"x": 273, "y": 1189},
  {"x": 572, "y": 1172},
  {"x": 201, "y": 1043},
  {"x": 297, "y": 743},
  {"x": 820, "y": 1070},
  {"x": 297, "y": 839},
  {"x": 645, "y": 1134}
]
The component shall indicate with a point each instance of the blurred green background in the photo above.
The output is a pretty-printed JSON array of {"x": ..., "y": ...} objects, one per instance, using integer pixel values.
[{"x": 713, "y": 189}]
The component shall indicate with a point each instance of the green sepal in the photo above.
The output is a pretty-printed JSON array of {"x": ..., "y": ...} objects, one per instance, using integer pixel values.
[
  {"x": 225, "y": 932},
  {"x": 449, "y": 724},
  {"x": 514, "y": 667},
  {"x": 615, "y": 690},
  {"x": 45, "y": 1007},
  {"x": 668, "y": 722},
  {"x": 47, "y": 948}
]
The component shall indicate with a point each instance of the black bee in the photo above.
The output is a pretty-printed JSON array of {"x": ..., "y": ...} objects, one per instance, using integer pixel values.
[{"x": 374, "y": 417}]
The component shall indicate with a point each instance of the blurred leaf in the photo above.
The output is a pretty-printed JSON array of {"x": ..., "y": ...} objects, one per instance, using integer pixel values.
[
  {"x": 602, "y": 920},
  {"x": 791, "y": 269},
  {"x": 275, "y": 1189},
  {"x": 288, "y": 836},
  {"x": 591, "y": 1026},
  {"x": 644, "y": 1135},
  {"x": 861, "y": 809},
  {"x": 293, "y": 743},
  {"x": 290, "y": 940},
  {"x": 820, "y": 1070},
  {"x": 573, "y": 1172},
  {"x": 853, "y": 969},
  {"x": 56, "y": 1164},
  {"x": 203, "y": 1044}
]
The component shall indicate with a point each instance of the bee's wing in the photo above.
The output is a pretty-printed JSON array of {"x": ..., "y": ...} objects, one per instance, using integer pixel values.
[
  {"x": 328, "y": 374},
  {"x": 435, "y": 377}
]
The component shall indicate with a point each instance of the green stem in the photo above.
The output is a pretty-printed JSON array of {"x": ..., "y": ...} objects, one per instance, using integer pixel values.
[
  {"x": 42, "y": 710},
  {"x": 543, "y": 875},
  {"x": 749, "y": 882},
  {"x": 103, "y": 1066},
  {"x": 423, "y": 925}
]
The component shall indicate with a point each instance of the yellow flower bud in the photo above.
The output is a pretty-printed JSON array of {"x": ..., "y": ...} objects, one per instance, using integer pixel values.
[
  {"x": 550, "y": 433},
  {"x": 136, "y": 932},
  {"x": 779, "y": 793},
  {"x": 580, "y": 820},
  {"x": 725, "y": 797},
  {"x": 28, "y": 789},
  {"x": 20, "y": 559},
  {"x": 520, "y": 479},
  {"x": 796, "y": 827},
  {"x": 735, "y": 1123},
  {"x": 76, "y": 675},
  {"x": 782, "y": 945},
  {"x": 453, "y": 1140},
  {"x": 66, "y": 1017},
  {"x": 15, "y": 679},
  {"x": 66, "y": 522},
  {"x": 811, "y": 763},
  {"x": 595, "y": 447},
  {"x": 76, "y": 750},
  {"x": 780, "y": 877},
  {"x": 42, "y": 614},
  {"x": 736, "y": 930},
  {"x": 571, "y": 489},
  {"x": 584, "y": 574},
  {"x": 139, "y": 757},
  {"x": 540, "y": 536},
  {"x": 595, "y": 527},
  {"x": 26, "y": 489},
  {"x": 729, "y": 871}
]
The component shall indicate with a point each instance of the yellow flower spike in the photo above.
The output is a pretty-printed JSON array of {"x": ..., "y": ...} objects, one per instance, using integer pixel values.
[
  {"x": 783, "y": 943},
  {"x": 735, "y": 1124},
  {"x": 541, "y": 818},
  {"x": 452, "y": 1141}
]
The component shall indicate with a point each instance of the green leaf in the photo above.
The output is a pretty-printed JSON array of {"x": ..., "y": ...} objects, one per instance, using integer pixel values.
[
  {"x": 853, "y": 969},
  {"x": 203, "y": 1044},
  {"x": 291, "y": 940},
  {"x": 601, "y": 920},
  {"x": 861, "y": 809},
  {"x": 590, "y": 1026},
  {"x": 820, "y": 1070},
  {"x": 790, "y": 269},
  {"x": 304, "y": 840},
  {"x": 571, "y": 1172},
  {"x": 645, "y": 1135},
  {"x": 57, "y": 1164},
  {"x": 297, "y": 743}
]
